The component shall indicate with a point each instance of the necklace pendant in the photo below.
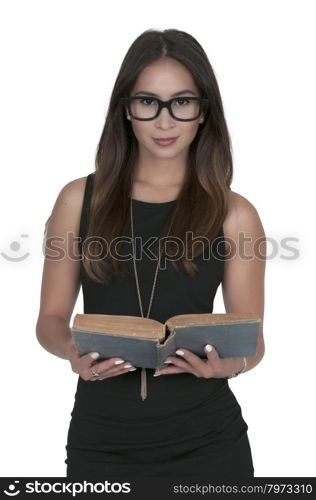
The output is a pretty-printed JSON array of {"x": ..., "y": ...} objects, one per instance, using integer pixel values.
[{"x": 143, "y": 389}]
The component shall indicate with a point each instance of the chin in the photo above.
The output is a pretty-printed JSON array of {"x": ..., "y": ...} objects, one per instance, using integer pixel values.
[{"x": 166, "y": 154}]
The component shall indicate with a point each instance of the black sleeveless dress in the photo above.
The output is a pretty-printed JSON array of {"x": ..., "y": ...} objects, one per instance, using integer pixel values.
[{"x": 187, "y": 426}]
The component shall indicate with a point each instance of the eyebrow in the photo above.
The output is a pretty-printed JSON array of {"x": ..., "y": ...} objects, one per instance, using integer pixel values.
[{"x": 185, "y": 91}]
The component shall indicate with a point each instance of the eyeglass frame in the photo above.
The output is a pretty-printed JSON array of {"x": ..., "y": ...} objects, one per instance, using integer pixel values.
[{"x": 164, "y": 104}]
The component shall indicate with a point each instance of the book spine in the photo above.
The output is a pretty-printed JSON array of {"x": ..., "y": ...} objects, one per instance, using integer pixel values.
[{"x": 167, "y": 348}]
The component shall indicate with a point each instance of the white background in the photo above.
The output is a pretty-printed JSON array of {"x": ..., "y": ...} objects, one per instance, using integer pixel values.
[{"x": 59, "y": 60}]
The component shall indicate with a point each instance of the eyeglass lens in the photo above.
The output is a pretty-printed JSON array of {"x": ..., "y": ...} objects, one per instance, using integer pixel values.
[{"x": 184, "y": 108}]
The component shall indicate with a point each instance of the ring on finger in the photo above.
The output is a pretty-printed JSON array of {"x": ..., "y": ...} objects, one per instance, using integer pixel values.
[{"x": 94, "y": 373}]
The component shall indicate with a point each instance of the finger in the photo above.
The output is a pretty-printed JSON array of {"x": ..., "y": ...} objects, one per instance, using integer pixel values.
[
  {"x": 213, "y": 363},
  {"x": 211, "y": 352},
  {"x": 195, "y": 362},
  {"x": 114, "y": 373},
  {"x": 90, "y": 360},
  {"x": 178, "y": 366},
  {"x": 79, "y": 363},
  {"x": 109, "y": 368},
  {"x": 170, "y": 370},
  {"x": 105, "y": 364},
  {"x": 85, "y": 361},
  {"x": 176, "y": 362}
]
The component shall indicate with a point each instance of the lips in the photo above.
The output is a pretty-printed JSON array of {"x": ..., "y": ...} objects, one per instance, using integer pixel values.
[
  {"x": 164, "y": 138},
  {"x": 165, "y": 141}
]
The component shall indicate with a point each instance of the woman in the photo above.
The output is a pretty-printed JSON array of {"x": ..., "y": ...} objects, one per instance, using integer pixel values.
[{"x": 188, "y": 421}]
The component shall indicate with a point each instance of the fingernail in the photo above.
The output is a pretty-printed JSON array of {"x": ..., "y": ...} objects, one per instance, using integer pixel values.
[
  {"x": 208, "y": 347},
  {"x": 132, "y": 369},
  {"x": 156, "y": 374},
  {"x": 167, "y": 361},
  {"x": 181, "y": 353},
  {"x": 127, "y": 366},
  {"x": 119, "y": 362},
  {"x": 95, "y": 355}
]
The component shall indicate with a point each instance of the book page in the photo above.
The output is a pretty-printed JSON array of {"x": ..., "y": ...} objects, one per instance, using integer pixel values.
[
  {"x": 131, "y": 326},
  {"x": 209, "y": 318}
]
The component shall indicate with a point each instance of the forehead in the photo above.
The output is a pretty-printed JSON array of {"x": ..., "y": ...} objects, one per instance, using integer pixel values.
[{"x": 165, "y": 78}]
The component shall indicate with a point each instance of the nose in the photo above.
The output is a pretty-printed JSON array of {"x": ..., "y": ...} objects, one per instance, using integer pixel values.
[{"x": 164, "y": 119}]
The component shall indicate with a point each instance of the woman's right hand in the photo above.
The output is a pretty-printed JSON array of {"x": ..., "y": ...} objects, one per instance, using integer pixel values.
[{"x": 107, "y": 368}]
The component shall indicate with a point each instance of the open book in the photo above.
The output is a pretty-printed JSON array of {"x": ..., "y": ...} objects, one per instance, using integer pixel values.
[{"x": 146, "y": 343}]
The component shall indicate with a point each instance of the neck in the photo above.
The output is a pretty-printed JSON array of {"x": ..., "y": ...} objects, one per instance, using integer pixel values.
[{"x": 160, "y": 173}]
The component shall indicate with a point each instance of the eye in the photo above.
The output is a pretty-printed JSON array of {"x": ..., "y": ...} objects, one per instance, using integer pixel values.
[
  {"x": 182, "y": 99},
  {"x": 147, "y": 99}
]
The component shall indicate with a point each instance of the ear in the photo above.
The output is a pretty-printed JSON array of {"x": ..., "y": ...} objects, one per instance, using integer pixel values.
[{"x": 126, "y": 113}]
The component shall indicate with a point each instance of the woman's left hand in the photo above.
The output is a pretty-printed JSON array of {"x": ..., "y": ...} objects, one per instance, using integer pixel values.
[{"x": 211, "y": 367}]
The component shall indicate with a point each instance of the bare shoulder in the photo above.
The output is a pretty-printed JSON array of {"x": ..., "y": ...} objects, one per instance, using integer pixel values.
[
  {"x": 242, "y": 225},
  {"x": 72, "y": 193},
  {"x": 69, "y": 200},
  {"x": 241, "y": 215}
]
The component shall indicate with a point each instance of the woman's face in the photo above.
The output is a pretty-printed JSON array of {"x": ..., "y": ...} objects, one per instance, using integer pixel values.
[{"x": 164, "y": 79}]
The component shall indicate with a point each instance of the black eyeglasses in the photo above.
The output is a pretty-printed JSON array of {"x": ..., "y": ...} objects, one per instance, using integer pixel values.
[{"x": 184, "y": 109}]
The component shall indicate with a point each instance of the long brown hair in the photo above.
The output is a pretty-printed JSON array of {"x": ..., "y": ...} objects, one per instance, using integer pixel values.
[{"x": 203, "y": 200}]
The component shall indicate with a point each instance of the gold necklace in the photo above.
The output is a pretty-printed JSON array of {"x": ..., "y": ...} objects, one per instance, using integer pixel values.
[{"x": 143, "y": 391}]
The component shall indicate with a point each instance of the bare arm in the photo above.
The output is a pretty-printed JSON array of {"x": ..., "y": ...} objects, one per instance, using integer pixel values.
[
  {"x": 242, "y": 286},
  {"x": 243, "y": 282},
  {"x": 61, "y": 285},
  {"x": 61, "y": 271}
]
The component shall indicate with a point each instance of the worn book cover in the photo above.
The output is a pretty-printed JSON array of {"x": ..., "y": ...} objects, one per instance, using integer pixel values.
[{"x": 146, "y": 343}]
